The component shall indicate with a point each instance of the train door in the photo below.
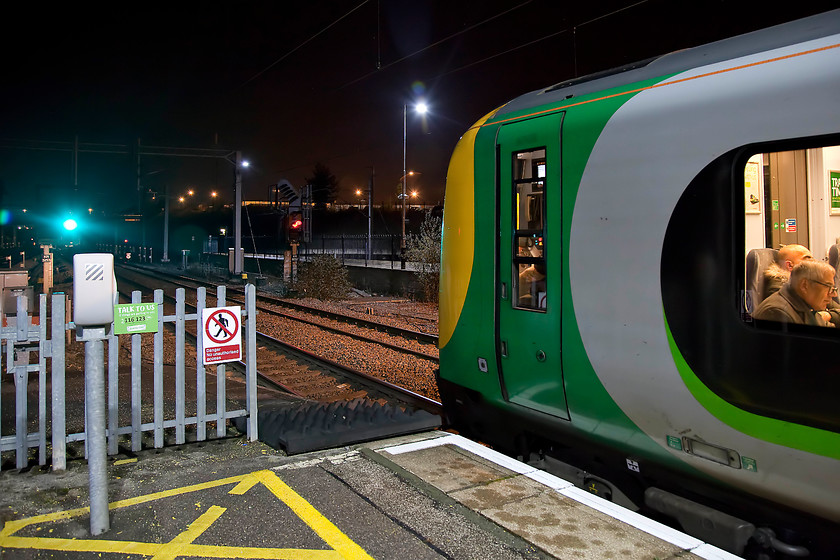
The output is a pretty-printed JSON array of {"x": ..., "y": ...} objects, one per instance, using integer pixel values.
[
  {"x": 529, "y": 260},
  {"x": 786, "y": 185}
]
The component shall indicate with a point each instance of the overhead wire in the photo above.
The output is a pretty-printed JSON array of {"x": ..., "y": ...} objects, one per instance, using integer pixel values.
[
  {"x": 379, "y": 67},
  {"x": 288, "y": 54},
  {"x": 543, "y": 38}
]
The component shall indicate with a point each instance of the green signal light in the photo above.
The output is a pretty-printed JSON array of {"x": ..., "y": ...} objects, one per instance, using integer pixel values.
[{"x": 70, "y": 224}]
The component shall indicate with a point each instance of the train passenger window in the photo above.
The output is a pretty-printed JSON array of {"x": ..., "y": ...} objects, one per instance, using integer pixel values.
[
  {"x": 792, "y": 216},
  {"x": 529, "y": 271}
]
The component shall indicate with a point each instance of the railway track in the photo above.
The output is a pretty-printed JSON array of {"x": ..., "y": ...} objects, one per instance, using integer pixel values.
[
  {"x": 305, "y": 372},
  {"x": 427, "y": 341}
]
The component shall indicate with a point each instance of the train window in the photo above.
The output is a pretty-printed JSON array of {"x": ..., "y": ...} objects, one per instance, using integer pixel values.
[
  {"x": 783, "y": 197},
  {"x": 792, "y": 216},
  {"x": 529, "y": 272}
]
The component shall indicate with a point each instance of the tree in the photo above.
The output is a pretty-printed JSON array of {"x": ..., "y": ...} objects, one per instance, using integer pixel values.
[
  {"x": 424, "y": 250},
  {"x": 324, "y": 185}
]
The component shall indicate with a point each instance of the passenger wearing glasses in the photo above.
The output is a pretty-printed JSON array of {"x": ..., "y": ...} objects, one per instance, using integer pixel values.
[{"x": 804, "y": 299}]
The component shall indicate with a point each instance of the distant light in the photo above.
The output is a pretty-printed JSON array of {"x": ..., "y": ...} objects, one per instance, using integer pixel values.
[
  {"x": 70, "y": 224},
  {"x": 421, "y": 108},
  {"x": 190, "y": 192},
  {"x": 246, "y": 163},
  {"x": 214, "y": 194}
]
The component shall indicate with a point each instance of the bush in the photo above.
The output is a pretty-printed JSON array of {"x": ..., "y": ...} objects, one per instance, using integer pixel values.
[
  {"x": 424, "y": 250},
  {"x": 324, "y": 277}
]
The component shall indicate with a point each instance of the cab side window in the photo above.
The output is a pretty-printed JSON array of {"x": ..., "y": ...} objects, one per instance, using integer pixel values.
[{"x": 529, "y": 270}]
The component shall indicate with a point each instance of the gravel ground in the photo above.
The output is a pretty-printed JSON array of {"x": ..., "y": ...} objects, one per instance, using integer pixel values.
[{"x": 414, "y": 373}]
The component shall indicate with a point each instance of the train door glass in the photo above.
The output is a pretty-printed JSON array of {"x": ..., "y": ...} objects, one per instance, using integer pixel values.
[
  {"x": 529, "y": 273},
  {"x": 528, "y": 308}
]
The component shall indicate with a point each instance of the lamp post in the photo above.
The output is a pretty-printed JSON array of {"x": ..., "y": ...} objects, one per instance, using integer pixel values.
[
  {"x": 421, "y": 109},
  {"x": 237, "y": 213}
]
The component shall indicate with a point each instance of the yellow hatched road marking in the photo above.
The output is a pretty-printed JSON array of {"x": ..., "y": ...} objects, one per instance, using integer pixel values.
[{"x": 182, "y": 545}]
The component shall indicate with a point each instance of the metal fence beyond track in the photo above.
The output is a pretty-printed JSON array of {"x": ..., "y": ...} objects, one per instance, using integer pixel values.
[{"x": 24, "y": 334}]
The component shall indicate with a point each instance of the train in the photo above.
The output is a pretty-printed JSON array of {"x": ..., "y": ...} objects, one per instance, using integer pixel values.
[{"x": 603, "y": 246}]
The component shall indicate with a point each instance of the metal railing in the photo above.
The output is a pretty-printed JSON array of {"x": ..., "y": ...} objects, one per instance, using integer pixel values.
[{"x": 22, "y": 336}]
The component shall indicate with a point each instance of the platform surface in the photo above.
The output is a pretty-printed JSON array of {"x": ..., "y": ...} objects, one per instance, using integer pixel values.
[{"x": 429, "y": 495}]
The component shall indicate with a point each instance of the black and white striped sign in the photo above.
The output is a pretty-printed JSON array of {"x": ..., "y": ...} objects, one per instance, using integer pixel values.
[{"x": 94, "y": 272}]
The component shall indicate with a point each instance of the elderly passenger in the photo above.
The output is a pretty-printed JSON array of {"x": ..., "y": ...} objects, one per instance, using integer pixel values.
[{"x": 804, "y": 298}]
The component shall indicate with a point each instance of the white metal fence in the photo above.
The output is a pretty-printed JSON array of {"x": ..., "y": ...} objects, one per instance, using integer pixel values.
[{"x": 24, "y": 335}]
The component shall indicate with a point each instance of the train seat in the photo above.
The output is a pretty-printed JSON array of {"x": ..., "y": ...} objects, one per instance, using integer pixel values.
[{"x": 757, "y": 262}]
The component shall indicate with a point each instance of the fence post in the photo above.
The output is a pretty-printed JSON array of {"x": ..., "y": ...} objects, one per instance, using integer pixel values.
[
  {"x": 42, "y": 379},
  {"x": 221, "y": 411},
  {"x": 158, "y": 372},
  {"x": 21, "y": 382},
  {"x": 180, "y": 357},
  {"x": 251, "y": 361},
  {"x": 113, "y": 390},
  {"x": 136, "y": 395},
  {"x": 59, "y": 426},
  {"x": 200, "y": 390}
]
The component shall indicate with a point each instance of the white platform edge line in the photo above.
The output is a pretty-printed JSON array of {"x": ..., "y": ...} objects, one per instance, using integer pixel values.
[{"x": 566, "y": 488}]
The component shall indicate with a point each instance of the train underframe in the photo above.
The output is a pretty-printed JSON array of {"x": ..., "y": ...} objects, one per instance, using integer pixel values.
[{"x": 737, "y": 522}]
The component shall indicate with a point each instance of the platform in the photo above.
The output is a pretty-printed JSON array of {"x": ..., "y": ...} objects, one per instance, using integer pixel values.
[{"x": 429, "y": 495}]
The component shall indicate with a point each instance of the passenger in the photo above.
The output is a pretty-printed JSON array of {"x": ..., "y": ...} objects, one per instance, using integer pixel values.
[
  {"x": 531, "y": 283},
  {"x": 804, "y": 298},
  {"x": 778, "y": 273}
]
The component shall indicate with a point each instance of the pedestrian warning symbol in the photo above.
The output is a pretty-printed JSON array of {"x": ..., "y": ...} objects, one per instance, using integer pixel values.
[
  {"x": 193, "y": 534},
  {"x": 221, "y": 335}
]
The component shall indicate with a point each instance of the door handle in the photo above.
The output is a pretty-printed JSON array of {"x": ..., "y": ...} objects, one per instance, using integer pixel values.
[
  {"x": 504, "y": 290},
  {"x": 504, "y": 349}
]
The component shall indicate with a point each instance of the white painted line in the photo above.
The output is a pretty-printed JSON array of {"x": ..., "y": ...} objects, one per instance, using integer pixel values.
[{"x": 417, "y": 445}]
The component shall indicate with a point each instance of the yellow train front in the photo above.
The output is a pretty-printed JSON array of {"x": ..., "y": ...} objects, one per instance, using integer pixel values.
[{"x": 604, "y": 247}]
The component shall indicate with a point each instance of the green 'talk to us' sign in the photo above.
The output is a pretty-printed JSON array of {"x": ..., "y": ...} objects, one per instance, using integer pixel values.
[
  {"x": 135, "y": 318},
  {"x": 834, "y": 186}
]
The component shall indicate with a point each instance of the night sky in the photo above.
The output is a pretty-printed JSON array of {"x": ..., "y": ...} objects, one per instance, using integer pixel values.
[{"x": 292, "y": 84}]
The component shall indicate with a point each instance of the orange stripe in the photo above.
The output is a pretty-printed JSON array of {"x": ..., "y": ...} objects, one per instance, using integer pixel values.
[{"x": 632, "y": 91}]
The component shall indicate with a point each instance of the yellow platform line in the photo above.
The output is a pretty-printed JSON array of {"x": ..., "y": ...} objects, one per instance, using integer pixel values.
[{"x": 182, "y": 545}]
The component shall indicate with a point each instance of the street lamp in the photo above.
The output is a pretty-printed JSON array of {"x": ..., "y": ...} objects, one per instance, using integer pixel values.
[{"x": 421, "y": 109}]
